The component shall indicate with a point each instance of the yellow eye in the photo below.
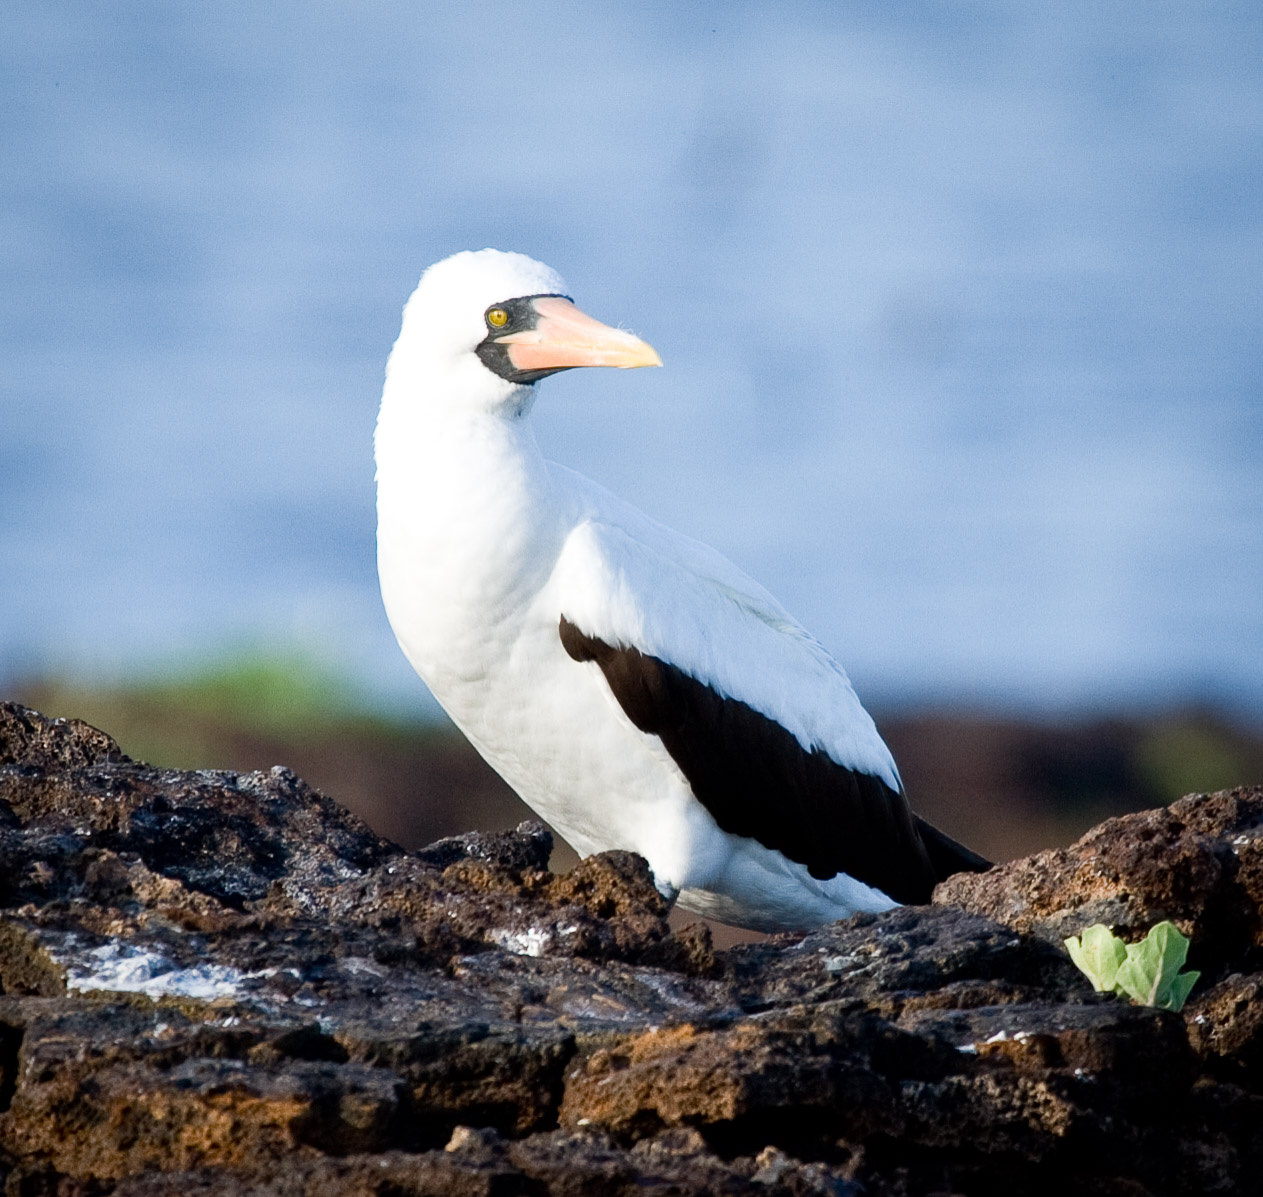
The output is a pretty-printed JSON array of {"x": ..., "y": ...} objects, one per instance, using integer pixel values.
[{"x": 497, "y": 317}]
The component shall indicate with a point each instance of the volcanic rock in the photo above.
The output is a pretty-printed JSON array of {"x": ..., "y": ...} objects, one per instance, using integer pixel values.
[{"x": 217, "y": 983}]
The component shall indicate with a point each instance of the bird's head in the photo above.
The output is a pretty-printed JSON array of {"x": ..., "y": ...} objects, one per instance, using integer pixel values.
[{"x": 487, "y": 324}]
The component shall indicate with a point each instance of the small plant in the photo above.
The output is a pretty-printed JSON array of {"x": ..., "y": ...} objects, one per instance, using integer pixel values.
[{"x": 1148, "y": 972}]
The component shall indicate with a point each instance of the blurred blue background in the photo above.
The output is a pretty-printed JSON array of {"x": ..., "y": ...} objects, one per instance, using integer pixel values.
[{"x": 960, "y": 308}]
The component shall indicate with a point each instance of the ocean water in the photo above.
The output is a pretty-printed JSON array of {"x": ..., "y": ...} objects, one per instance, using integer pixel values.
[{"x": 960, "y": 309}]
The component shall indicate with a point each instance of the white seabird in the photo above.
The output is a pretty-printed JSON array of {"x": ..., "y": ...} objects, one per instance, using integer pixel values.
[{"x": 632, "y": 685}]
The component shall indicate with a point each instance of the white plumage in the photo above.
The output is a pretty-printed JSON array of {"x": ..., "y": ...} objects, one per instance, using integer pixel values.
[{"x": 484, "y": 547}]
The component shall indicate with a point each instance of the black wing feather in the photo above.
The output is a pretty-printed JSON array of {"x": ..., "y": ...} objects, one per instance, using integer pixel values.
[{"x": 744, "y": 766}]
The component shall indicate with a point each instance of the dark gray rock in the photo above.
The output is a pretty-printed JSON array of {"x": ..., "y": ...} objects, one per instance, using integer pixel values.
[{"x": 218, "y": 983}]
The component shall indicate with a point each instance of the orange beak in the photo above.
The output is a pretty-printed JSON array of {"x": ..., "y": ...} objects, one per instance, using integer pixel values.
[{"x": 564, "y": 336}]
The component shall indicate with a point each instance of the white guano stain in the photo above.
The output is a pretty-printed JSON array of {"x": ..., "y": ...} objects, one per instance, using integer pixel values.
[
  {"x": 534, "y": 941},
  {"x": 121, "y": 968}
]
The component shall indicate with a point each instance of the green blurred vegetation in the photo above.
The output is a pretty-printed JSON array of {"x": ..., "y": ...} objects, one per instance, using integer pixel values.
[
  {"x": 189, "y": 715},
  {"x": 1178, "y": 757}
]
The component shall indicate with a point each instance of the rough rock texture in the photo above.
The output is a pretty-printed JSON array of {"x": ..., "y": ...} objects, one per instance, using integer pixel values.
[{"x": 224, "y": 984}]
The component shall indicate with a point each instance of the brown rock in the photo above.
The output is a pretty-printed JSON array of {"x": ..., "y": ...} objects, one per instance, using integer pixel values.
[
  {"x": 1226, "y": 1026},
  {"x": 1198, "y": 863},
  {"x": 753, "y": 1080},
  {"x": 219, "y": 983}
]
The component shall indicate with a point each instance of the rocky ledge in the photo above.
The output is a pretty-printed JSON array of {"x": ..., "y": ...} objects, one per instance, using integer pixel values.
[{"x": 225, "y": 984}]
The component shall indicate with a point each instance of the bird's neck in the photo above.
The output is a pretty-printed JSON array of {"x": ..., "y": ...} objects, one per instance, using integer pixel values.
[
  {"x": 468, "y": 524},
  {"x": 450, "y": 453}
]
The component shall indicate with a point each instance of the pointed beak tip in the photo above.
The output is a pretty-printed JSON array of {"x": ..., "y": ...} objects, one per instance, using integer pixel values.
[{"x": 648, "y": 355}]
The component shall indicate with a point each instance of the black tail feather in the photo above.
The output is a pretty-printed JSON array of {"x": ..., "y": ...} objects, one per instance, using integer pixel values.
[{"x": 946, "y": 855}]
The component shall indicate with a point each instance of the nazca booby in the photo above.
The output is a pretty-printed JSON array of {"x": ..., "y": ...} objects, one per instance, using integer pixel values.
[{"x": 632, "y": 685}]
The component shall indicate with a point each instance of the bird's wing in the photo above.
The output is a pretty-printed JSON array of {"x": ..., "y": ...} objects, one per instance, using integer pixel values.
[{"x": 758, "y": 716}]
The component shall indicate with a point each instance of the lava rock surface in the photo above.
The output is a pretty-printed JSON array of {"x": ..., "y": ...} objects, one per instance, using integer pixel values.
[{"x": 220, "y": 984}]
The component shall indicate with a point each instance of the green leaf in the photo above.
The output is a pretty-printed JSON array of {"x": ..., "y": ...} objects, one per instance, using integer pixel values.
[
  {"x": 1098, "y": 956},
  {"x": 1179, "y": 991},
  {"x": 1150, "y": 974}
]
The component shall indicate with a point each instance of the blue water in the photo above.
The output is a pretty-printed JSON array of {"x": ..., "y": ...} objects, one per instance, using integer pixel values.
[{"x": 960, "y": 307}]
